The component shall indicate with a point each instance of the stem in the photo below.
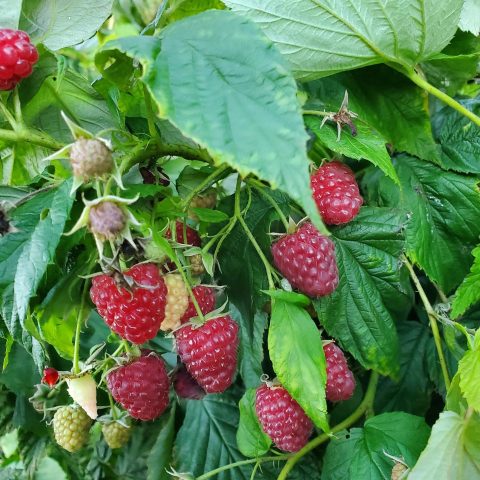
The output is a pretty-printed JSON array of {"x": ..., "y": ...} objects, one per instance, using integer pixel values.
[
  {"x": 18, "y": 108},
  {"x": 364, "y": 407},
  {"x": 30, "y": 136},
  {"x": 206, "y": 183},
  {"x": 422, "y": 83},
  {"x": 76, "y": 350},
  {"x": 8, "y": 116},
  {"x": 432, "y": 316},
  {"x": 317, "y": 113}
]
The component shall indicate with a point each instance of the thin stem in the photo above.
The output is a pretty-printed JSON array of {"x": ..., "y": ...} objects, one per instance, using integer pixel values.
[
  {"x": 18, "y": 109},
  {"x": 317, "y": 113},
  {"x": 238, "y": 215},
  {"x": 76, "y": 349},
  {"x": 432, "y": 316},
  {"x": 8, "y": 116},
  {"x": 203, "y": 185},
  {"x": 364, "y": 407},
  {"x": 422, "y": 83},
  {"x": 126, "y": 346},
  {"x": 152, "y": 129},
  {"x": 30, "y": 136}
]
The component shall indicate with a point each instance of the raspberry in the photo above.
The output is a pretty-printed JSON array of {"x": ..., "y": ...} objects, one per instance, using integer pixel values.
[
  {"x": 116, "y": 435},
  {"x": 192, "y": 237},
  {"x": 282, "y": 418},
  {"x": 17, "y": 57},
  {"x": 206, "y": 200},
  {"x": 135, "y": 314},
  {"x": 206, "y": 300},
  {"x": 50, "y": 376},
  {"x": 210, "y": 352},
  {"x": 185, "y": 385},
  {"x": 307, "y": 260},
  {"x": 336, "y": 193},
  {"x": 196, "y": 265},
  {"x": 177, "y": 301},
  {"x": 340, "y": 380},
  {"x": 70, "y": 426},
  {"x": 90, "y": 158},
  {"x": 141, "y": 387},
  {"x": 106, "y": 220},
  {"x": 399, "y": 471}
]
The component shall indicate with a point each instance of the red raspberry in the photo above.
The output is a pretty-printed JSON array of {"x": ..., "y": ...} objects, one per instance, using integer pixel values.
[
  {"x": 186, "y": 386},
  {"x": 306, "y": 259},
  {"x": 340, "y": 380},
  {"x": 141, "y": 387},
  {"x": 17, "y": 57},
  {"x": 210, "y": 352},
  {"x": 193, "y": 238},
  {"x": 206, "y": 301},
  {"x": 282, "y": 418},
  {"x": 336, "y": 193},
  {"x": 50, "y": 376},
  {"x": 136, "y": 313}
]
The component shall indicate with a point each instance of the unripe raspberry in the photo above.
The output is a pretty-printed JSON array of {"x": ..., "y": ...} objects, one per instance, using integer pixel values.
[
  {"x": 177, "y": 301},
  {"x": 71, "y": 426},
  {"x": 399, "y": 471},
  {"x": 90, "y": 158},
  {"x": 106, "y": 220},
  {"x": 340, "y": 379},
  {"x": 116, "y": 435},
  {"x": 205, "y": 200},
  {"x": 196, "y": 265}
]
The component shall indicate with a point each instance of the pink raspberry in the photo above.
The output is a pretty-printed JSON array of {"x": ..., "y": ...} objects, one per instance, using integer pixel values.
[
  {"x": 205, "y": 297},
  {"x": 340, "y": 379}
]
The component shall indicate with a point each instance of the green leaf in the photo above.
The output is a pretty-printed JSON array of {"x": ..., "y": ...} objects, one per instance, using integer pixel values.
[
  {"x": 252, "y": 441},
  {"x": 468, "y": 293},
  {"x": 25, "y": 255},
  {"x": 223, "y": 84},
  {"x": 10, "y": 13},
  {"x": 365, "y": 144},
  {"x": 48, "y": 469},
  {"x": 323, "y": 37},
  {"x": 469, "y": 371},
  {"x": 178, "y": 9},
  {"x": 452, "y": 450},
  {"x": 60, "y": 25},
  {"x": 361, "y": 453},
  {"x": 444, "y": 209},
  {"x": 21, "y": 163},
  {"x": 210, "y": 216},
  {"x": 296, "y": 352},
  {"x": 159, "y": 459},
  {"x": 372, "y": 285},
  {"x": 470, "y": 17},
  {"x": 298, "y": 299},
  {"x": 11, "y": 195}
]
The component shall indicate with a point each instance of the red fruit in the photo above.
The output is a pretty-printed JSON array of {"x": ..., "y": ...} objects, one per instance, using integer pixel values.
[
  {"x": 306, "y": 259},
  {"x": 141, "y": 387},
  {"x": 136, "y": 313},
  {"x": 193, "y": 238},
  {"x": 205, "y": 297},
  {"x": 336, "y": 193},
  {"x": 185, "y": 385},
  {"x": 210, "y": 352},
  {"x": 50, "y": 376},
  {"x": 340, "y": 379},
  {"x": 17, "y": 57},
  {"x": 282, "y": 418}
]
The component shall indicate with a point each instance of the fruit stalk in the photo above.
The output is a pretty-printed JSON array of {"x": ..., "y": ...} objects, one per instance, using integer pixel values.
[{"x": 76, "y": 351}]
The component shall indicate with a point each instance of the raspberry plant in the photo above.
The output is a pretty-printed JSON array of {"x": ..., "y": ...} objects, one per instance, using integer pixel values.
[{"x": 239, "y": 239}]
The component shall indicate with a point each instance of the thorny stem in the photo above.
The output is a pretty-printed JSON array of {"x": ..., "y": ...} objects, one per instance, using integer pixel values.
[
  {"x": 76, "y": 350},
  {"x": 432, "y": 316},
  {"x": 203, "y": 185},
  {"x": 364, "y": 408}
]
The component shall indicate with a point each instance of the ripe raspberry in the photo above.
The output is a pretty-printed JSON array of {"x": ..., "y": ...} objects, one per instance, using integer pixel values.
[
  {"x": 50, "y": 376},
  {"x": 206, "y": 300},
  {"x": 192, "y": 237},
  {"x": 282, "y": 418},
  {"x": 141, "y": 387},
  {"x": 307, "y": 260},
  {"x": 90, "y": 158},
  {"x": 70, "y": 426},
  {"x": 336, "y": 193},
  {"x": 206, "y": 200},
  {"x": 116, "y": 435},
  {"x": 106, "y": 220},
  {"x": 17, "y": 57},
  {"x": 135, "y": 314},
  {"x": 210, "y": 352},
  {"x": 340, "y": 379},
  {"x": 185, "y": 385},
  {"x": 177, "y": 301},
  {"x": 196, "y": 265}
]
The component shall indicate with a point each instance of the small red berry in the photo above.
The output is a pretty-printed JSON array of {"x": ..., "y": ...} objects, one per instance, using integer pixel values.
[
  {"x": 135, "y": 313},
  {"x": 336, "y": 193},
  {"x": 186, "y": 386},
  {"x": 307, "y": 260},
  {"x": 192, "y": 237},
  {"x": 210, "y": 352},
  {"x": 282, "y": 418},
  {"x": 141, "y": 387},
  {"x": 50, "y": 376},
  {"x": 17, "y": 57},
  {"x": 205, "y": 297},
  {"x": 340, "y": 379}
]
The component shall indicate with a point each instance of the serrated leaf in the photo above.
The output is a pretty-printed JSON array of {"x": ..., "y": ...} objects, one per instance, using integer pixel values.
[
  {"x": 452, "y": 450},
  {"x": 469, "y": 371},
  {"x": 323, "y": 37},
  {"x": 361, "y": 453},
  {"x": 10, "y": 13},
  {"x": 59, "y": 25},
  {"x": 296, "y": 352},
  {"x": 468, "y": 293},
  {"x": 470, "y": 17},
  {"x": 371, "y": 286},
  {"x": 179, "y": 9},
  {"x": 159, "y": 458},
  {"x": 224, "y": 85},
  {"x": 252, "y": 441},
  {"x": 21, "y": 163}
]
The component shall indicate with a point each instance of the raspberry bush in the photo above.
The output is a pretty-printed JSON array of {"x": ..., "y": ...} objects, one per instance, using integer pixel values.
[{"x": 239, "y": 239}]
